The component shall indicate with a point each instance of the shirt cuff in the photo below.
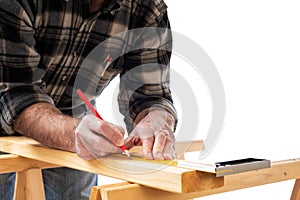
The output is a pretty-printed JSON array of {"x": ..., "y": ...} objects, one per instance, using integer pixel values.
[
  {"x": 141, "y": 105},
  {"x": 14, "y": 101}
]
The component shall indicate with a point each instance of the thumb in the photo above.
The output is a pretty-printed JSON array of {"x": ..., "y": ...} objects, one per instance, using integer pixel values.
[{"x": 129, "y": 141}]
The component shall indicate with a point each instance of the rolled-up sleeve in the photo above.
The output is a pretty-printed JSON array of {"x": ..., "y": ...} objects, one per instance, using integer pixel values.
[
  {"x": 20, "y": 74},
  {"x": 145, "y": 81}
]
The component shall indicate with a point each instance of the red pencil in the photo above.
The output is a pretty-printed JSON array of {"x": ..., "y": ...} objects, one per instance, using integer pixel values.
[{"x": 94, "y": 111}]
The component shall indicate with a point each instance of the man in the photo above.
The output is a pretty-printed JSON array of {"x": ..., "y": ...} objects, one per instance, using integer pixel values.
[{"x": 42, "y": 46}]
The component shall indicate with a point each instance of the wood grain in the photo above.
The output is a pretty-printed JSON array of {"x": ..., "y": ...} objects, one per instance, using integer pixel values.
[
  {"x": 279, "y": 171},
  {"x": 180, "y": 148},
  {"x": 29, "y": 185},
  {"x": 97, "y": 194},
  {"x": 296, "y": 191},
  {"x": 169, "y": 178},
  {"x": 15, "y": 163}
]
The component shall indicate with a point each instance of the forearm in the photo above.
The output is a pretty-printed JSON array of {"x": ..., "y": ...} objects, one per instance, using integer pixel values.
[{"x": 46, "y": 124}]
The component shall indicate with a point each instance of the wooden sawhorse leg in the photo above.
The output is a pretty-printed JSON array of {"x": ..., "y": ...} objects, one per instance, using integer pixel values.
[
  {"x": 29, "y": 185},
  {"x": 296, "y": 190}
]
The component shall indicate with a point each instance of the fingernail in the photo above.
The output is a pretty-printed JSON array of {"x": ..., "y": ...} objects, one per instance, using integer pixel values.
[
  {"x": 168, "y": 156},
  {"x": 148, "y": 156},
  {"x": 159, "y": 156}
]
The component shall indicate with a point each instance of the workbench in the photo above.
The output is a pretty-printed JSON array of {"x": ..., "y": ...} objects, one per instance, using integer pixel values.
[{"x": 27, "y": 158}]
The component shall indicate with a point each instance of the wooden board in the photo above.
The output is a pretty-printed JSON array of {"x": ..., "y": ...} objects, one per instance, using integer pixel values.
[
  {"x": 133, "y": 191},
  {"x": 15, "y": 163},
  {"x": 180, "y": 147},
  {"x": 189, "y": 146},
  {"x": 279, "y": 171},
  {"x": 163, "y": 177}
]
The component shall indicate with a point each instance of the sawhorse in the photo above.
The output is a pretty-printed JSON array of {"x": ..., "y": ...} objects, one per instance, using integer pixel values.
[
  {"x": 280, "y": 171},
  {"x": 28, "y": 157}
]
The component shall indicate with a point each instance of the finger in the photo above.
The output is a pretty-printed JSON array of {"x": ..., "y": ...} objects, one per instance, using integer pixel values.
[
  {"x": 169, "y": 151},
  {"x": 147, "y": 145},
  {"x": 97, "y": 145},
  {"x": 113, "y": 133},
  {"x": 110, "y": 131},
  {"x": 105, "y": 146},
  {"x": 129, "y": 142},
  {"x": 88, "y": 152},
  {"x": 169, "y": 148},
  {"x": 159, "y": 145},
  {"x": 132, "y": 141},
  {"x": 137, "y": 142}
]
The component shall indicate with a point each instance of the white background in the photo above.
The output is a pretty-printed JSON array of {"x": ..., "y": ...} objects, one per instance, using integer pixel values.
[{"x": 255, "y": 46}]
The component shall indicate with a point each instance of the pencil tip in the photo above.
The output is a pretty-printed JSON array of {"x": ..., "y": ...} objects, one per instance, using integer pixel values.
[{"x": 128, "y": 154}]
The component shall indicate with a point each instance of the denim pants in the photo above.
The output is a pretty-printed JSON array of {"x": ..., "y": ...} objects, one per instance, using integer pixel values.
[{"x": 59, "y": 183}]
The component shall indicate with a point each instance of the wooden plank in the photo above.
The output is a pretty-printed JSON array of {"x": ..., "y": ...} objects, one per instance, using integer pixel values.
[
  {"x": 136, "y": 191},
  {"x": 181, "y": 147},
  {"x": 164, "y": 177},
  {"x": 96, "y": 192},
  {"x": 29, "y": 185},
  {"x": 15, "y": 163},
  {"x": 189, "y": 146},
  {"x": 296, "y": 190},
  {"x": 280, "y": 171}
]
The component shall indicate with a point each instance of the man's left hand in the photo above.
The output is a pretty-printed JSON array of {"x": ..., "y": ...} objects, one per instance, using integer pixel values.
[{"x": 155, "y": 133}]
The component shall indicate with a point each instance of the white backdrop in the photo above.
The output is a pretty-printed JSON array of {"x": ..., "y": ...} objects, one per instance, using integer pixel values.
[{"x": 255, "y": 46}]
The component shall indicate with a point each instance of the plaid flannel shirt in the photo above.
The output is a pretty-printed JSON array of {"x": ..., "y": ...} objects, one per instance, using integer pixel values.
[{"x": 44, "y": 42}]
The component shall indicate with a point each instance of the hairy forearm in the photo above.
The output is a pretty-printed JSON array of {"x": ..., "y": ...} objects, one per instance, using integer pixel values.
[{"x": 46, "y": 124}]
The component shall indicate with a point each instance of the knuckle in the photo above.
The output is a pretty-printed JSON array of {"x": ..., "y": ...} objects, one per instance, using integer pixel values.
[
  {"x": 118, "y": 130},
  {"x": 148, "y": 140},
  {"x": 77, "y": 131},
  {"x": 158, "y": 150}
]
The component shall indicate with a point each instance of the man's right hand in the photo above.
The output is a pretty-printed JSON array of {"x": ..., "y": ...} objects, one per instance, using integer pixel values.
[{"x": 95, "y": 138}]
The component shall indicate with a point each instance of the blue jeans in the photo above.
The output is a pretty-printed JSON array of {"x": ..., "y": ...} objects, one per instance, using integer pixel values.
[{"x": 59, "y": 183}]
